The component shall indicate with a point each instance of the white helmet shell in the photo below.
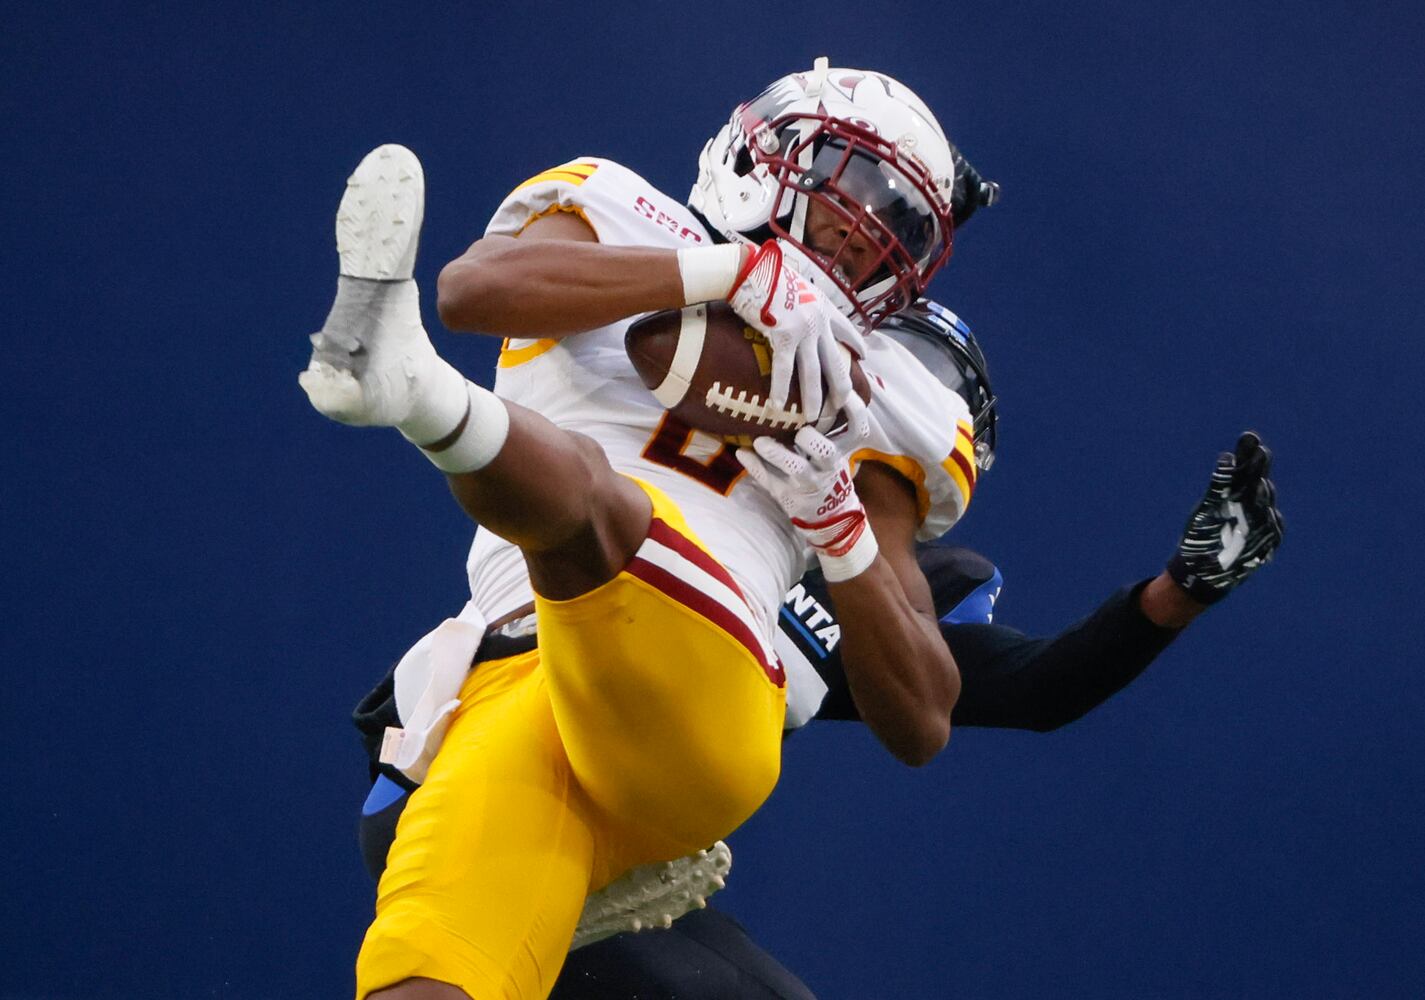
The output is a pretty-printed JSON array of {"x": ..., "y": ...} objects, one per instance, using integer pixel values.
[{"x": 860, "y": 152}]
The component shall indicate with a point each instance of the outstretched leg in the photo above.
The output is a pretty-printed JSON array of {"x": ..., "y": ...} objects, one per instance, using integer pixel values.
[
  {"x": 548, "y": 490},
  {"x": 639, "y": 762},
  {"x": 553, "y": 493}
]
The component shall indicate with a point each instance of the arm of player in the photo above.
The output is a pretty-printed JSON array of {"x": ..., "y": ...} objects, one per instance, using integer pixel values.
[
  {"x": 1015, "y": 681},
  {"x": 552, "y": 280},
  {"x": 901, "y": 674},
  {"x": 1009, "y": 679},
  {"x": 555, "y": 278},
  {"x": 1012, "y": 680}
]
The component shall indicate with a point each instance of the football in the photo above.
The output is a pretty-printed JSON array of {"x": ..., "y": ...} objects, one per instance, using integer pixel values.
[{"x": 713, "y": 372}]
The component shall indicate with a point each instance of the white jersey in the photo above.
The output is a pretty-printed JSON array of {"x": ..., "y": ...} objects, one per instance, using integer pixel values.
[
  {"x": 922, "y": 429},
  {"x": 586, "y": 383}
]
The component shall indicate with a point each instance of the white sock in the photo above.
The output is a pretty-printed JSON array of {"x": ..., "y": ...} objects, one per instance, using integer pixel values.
[
  {"x": 482, "y": 422},
  {"x": 438, "y": 405}
]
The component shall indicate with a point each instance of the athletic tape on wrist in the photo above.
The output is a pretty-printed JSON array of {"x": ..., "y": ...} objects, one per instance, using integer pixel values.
[
  {"x": 708, "y": 272},
  {"x": 855, "y": 561},
  {"x": 479, "y": 436}
]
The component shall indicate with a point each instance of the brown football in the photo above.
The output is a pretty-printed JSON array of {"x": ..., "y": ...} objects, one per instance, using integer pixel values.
[{"x": 713, "y": 372}]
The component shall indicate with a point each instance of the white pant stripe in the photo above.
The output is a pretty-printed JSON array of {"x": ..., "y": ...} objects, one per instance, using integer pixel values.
[{"x": 705, "y": 583}]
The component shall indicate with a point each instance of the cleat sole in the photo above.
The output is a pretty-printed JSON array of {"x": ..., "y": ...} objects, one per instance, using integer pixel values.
[{"x": 378, "y": 223}]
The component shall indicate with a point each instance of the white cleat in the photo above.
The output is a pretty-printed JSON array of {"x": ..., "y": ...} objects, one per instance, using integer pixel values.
[
  {"x": 653, "y": 896},
  {"x": 379, "y": 221},
  {"x": 372, "y": 351}
]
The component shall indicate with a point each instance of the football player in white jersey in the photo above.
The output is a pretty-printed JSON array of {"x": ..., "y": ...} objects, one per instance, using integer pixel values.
[
  {"x": 647, "y": 721},
  {"x": 1008, "y": 680}
]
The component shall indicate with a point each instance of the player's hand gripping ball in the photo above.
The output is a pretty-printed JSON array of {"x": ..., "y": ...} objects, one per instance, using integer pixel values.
[
  {"x": 714, "y": 372},
  {"x": 805, "y": 330},
  {"x": 812, "y": 483}
]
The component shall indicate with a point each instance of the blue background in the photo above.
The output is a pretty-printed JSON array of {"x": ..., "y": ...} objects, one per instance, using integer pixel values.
[{"x": 1211, "y": 220}]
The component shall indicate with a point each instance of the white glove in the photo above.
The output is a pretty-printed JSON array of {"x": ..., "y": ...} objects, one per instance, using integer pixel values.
[
  {"x": 812, "y": 483},
  {"x": 801, "y": 326}
]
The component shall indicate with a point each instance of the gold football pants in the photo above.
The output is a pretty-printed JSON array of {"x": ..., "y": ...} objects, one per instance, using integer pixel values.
[{"x": 646, "y": 725}]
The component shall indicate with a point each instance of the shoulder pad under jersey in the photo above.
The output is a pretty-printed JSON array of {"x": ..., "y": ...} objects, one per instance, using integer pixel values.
[
  {"x": 965, "y": 585},
  {"x": 621, "y": 207},
  {"x": 922, "y": 430}
]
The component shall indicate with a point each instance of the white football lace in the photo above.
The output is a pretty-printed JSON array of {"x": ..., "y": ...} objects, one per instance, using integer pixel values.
[
  {"x": 721, "y": 399},
  {"x": 653, "y": 896}
]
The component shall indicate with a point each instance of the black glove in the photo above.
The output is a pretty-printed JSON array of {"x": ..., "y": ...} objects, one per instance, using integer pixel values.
[{"x": 1234, "y": 529}]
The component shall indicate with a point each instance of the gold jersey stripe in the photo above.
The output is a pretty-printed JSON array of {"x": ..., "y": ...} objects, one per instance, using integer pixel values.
[
  {"x": 575, "y": 209},
  {"x": 510, "y": 357},
  {"x": 570, "y": 173},
  {"x": 908, "y": 467}
]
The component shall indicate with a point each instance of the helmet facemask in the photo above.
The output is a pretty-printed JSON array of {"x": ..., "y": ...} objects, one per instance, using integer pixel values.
[{"x": 865, "y": 216}]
